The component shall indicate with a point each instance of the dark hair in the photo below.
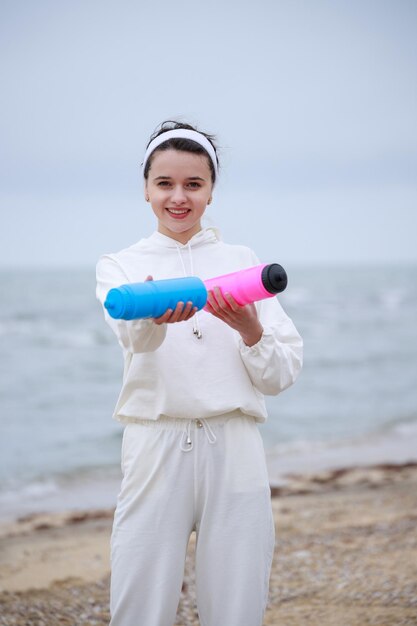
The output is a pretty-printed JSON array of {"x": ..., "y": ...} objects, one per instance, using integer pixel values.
[{"x": 177, "y": 143}]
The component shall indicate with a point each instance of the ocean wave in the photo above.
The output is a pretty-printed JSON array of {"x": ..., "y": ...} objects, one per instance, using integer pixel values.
[
  {"x": 77, "y": 493},
  {"x": 41, "y": 332},
  {"x": 10, "y": 491},
  {"x": 403, "y": 427},
  {"x": 362, "y": 360},
  {"x": 41, "y": 487}
]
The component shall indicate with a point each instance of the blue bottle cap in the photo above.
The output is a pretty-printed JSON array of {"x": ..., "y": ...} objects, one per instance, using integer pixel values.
[{"x": 115, "y": 303}]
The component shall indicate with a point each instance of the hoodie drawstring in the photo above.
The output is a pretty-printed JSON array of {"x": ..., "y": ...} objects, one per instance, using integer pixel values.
[
  {"x": 196, "y": 321},
  {"x": 186, "y": 443}
]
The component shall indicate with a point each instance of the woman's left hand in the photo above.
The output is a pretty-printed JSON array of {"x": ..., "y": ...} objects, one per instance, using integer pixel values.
[{"x": 244, "y": 318}]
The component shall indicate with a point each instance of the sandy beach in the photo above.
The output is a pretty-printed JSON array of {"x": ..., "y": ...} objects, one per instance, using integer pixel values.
[{"x": 346, "y": 554}]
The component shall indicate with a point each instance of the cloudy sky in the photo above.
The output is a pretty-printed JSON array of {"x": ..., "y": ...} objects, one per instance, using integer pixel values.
[{"x": 313, "y": 102}]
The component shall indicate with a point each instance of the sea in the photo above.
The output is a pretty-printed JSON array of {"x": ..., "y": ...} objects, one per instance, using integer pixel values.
[{"x": 355, "y": 402}]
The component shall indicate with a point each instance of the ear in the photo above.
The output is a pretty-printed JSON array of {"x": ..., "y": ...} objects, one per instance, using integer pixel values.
[
  {"x": 145, "y": 191},
  {"x": 209, "y": 200}
]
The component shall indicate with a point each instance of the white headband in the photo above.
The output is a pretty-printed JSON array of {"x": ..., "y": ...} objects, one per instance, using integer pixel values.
[{"x": 181, "y": 133}]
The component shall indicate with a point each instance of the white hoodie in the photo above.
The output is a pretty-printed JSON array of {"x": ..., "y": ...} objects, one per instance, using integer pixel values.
[{"x": 169, "y": 371}]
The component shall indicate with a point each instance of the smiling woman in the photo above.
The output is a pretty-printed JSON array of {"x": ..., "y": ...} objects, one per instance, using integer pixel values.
[{"x": 192, "y": 455}]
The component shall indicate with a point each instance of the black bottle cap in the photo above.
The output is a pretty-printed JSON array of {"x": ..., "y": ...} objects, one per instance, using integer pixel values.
[{"x": 274, "y": 278}]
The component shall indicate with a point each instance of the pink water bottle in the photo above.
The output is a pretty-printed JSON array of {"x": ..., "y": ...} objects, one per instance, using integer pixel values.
[
  {"x": 153, "y": 298},
  {"x": 253, "y": 284}
]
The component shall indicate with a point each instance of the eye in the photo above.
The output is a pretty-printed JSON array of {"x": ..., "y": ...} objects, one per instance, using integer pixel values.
[
  {"x": 163, "y": 183},
  {"x": 194, "y": 185}
]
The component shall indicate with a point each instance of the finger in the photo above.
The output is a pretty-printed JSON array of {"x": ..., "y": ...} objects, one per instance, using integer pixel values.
[
  {"x": 212, "y": 302},
  {"x": 189, "y": 313},
  {"x": 208, "y": 306},
  {"x": 185, "y": 312},
  {"x": 175, "y": 317},
  {"x": 225, "y": 311},
  {"x": 220, "y": 299},
  {"x": 218, "y": 296},
  {"x": 163, "y": 319},
  {"x": 212, "y": 311},
  {"x": 148, "y": 278},
  {"x": 232, "y": 302},
  {"x": 192, "y": 312}
]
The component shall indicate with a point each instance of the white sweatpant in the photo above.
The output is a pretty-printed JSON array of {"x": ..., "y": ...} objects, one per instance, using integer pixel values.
[{"x": 204, "y": 475}]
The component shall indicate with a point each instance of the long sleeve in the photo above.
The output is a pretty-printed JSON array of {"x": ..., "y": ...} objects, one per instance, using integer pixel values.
[
  {"x": 273, "y": 363},
  {"x": 134, "y": 336}
]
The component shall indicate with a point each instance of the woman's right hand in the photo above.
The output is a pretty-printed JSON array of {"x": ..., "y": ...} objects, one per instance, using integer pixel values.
[{"x": 181, "y": 313}]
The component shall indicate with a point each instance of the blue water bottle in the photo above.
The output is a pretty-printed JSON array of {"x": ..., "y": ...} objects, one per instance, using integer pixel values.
[{"x": 153, "y": 298}]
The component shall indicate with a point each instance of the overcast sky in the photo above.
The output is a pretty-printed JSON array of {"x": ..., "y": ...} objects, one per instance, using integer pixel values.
[{"x": 313, "y": 102}]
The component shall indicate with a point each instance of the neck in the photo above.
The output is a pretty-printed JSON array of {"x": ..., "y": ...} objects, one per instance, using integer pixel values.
[{"x": 182, "y": 238}]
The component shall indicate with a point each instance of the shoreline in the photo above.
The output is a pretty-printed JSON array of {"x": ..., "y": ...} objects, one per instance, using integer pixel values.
[
  {"x": 346, "y": 553},
  {"x": 99, "y": 488},
  {"x": 396, "y": 449}
]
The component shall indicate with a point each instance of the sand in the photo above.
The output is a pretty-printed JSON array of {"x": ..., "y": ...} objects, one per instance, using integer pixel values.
[{"x": 346, "y": 554}]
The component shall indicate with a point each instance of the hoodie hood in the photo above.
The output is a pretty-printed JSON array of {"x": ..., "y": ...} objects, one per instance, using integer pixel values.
[{"x": 204, "y": 236}]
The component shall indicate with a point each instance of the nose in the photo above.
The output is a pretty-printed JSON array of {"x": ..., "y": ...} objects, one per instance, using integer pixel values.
[{"x": 178, "y": 195}]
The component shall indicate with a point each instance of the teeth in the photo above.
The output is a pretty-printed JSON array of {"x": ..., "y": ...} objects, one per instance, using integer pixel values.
[{"x": 178, "y": 212}]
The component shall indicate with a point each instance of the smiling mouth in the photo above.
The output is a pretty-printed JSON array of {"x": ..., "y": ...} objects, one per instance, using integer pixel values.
[{"x": 178, "y": 213}]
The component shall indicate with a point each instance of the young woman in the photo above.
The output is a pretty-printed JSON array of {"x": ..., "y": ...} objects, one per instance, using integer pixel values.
[{"x": 192, "y": 395}]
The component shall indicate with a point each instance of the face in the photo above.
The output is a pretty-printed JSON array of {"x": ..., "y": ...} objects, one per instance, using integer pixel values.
[{"x": 179, "y": 188}]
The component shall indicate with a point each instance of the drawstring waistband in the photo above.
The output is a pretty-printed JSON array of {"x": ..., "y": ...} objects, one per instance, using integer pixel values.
[
  {"x": 186, "y": 443},
  {"x": 186, "y": 427}
]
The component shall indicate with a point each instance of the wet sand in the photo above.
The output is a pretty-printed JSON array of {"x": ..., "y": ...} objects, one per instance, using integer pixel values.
[{"x": 346, "y": 554}]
